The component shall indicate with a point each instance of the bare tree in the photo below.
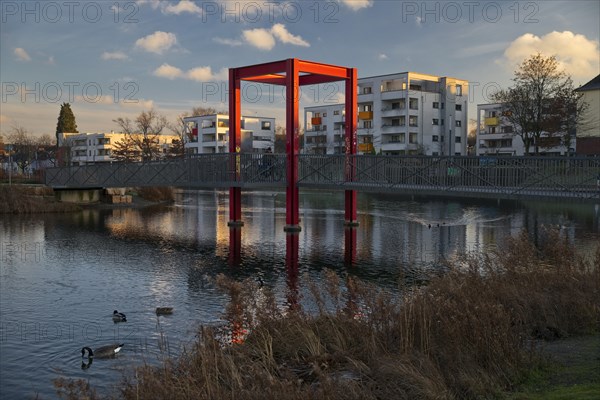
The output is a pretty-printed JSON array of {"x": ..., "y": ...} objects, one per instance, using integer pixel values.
[
  {"x": 23, "y": 146},
  {"x": 144, "y": 133},
  {"x": 542, "y": 101}
]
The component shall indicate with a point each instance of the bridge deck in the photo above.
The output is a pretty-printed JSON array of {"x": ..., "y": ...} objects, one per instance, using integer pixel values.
[{"x": 498, "y": 177}]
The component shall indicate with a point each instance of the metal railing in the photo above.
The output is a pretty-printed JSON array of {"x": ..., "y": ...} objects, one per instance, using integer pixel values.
[{"x": 498, "y": 177}]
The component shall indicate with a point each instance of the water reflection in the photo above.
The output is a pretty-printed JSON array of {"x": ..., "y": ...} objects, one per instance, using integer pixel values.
[{"x": 87, "y": 264}]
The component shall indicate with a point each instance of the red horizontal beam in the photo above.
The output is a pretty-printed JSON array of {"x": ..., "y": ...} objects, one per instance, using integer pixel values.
[
  {"x": 322, "y": 69},
  {"x": 252, "y": 71},
  {"x": 316, "y": 79},
  {"x": 272, "y": 79}
]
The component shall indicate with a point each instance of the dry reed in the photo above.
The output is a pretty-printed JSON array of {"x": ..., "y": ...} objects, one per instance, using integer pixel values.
[{"x": 465, "y": 335}]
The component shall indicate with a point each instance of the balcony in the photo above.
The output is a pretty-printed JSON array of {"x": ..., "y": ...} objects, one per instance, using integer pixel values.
[
  {"x": 365, "y": 115},
  {"x": 492, "y": 121},
  {"x": 315, "y": 120},
  {"x": 365, "y": 147}
]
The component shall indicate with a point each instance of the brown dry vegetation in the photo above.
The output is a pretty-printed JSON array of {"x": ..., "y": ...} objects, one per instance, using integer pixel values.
[
  {"x": 468, "y": 334},
  {"x": 17, "y": 199},
  {"x": 156, "y": 193}
]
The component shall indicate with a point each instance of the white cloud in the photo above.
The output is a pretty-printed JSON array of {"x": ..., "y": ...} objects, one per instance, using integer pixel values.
[
  {"x": 168, "y": 71},
  {"x": 105, "y": 99},
  {"x": 205, "y": 74},
  {"x": 158, "y": 42},
  {"x": 260, "y": 38},
  {"x": 184, "y": 6},
  {"x": 356, "y": 5},
  {"x": 198, "y": 74},
  {"x": 22, "y": 54},
  {"x": 577, "y": 54},
  {"x": 264, "y": 39},
  {"x": 138, "y": 103},
  {"x": 382, "y": 56},
  {"x": 228, "y": 42},
  {"x": 283, "y": 35},
  {"x": 115, "y": 55},
  {"x": 153, "y": 3}
]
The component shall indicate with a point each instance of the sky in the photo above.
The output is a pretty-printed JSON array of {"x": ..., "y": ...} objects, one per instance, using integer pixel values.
[{"x": 113, "y": 59}]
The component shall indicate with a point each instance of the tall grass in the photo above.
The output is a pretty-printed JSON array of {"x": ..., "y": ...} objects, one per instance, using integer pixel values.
[
  {"x": 468, "y": 334},
  {"x": 21, "y": 199}
]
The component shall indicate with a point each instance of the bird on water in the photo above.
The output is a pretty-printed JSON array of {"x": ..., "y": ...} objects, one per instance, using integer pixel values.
[
  {"x": 119, "y": 316},
  {"x": 102, "y": 352}
]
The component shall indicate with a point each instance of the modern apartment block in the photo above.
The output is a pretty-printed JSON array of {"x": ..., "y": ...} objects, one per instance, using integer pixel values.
[
  {"x": 210, "y": 134},
  {"x": 496, "y": 135},
  {"x": 89, "y": 148},
  {"x": 398, "y": 114}
]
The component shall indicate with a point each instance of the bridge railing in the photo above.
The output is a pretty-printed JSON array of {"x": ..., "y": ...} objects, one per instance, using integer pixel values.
[
  {"x": 202, "y": 170},
  {"x": 506, "y": 177}
]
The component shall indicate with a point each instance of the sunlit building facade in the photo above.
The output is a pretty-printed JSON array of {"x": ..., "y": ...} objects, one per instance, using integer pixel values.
[{"x": 398, "y": 114}]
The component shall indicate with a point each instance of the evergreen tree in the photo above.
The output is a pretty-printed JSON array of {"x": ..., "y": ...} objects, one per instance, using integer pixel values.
[{"x": 66, "y": 121}]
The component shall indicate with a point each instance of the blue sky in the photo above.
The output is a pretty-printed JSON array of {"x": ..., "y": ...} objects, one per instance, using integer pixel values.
[{"x": 111, "y": 62}]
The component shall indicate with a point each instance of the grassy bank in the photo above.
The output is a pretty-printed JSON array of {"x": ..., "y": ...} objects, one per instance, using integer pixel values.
[
  {"x": 24, "y": 199},
  {"x": 474, "y": 332}
]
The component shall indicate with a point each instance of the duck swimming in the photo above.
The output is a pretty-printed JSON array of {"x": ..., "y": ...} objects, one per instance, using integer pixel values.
[
  {"x": 119, "y": 316},
  {"x": 102, "y": 352}
]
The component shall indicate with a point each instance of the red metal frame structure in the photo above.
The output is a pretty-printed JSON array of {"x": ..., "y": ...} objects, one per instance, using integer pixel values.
[{"x": 292, "y": 73}]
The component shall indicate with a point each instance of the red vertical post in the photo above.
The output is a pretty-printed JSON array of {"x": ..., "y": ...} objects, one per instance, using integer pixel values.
[
  {"x": 351, "y": 145},
  {"x": 235, "y": 245},
  {"x": 292, "y": 86},
  {"x": 235, "y": 193},
  {"x": 350, "y": 245},
  {"x": 291, "y": 259}
]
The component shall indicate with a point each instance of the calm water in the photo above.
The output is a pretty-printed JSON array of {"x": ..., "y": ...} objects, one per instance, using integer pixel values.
[{"x": 63, "y": 275}]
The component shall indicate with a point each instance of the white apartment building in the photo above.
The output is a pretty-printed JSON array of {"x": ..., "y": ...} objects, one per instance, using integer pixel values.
[
  {"x": 398, "y": 114},
  {"x": 210, "y": 134},
  {"x": 496, "y": 135},
  {"x": 89, "y": 148}
]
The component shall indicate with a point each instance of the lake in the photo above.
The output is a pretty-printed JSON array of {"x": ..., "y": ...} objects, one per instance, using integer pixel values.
[{"x": 63, "y": 275}]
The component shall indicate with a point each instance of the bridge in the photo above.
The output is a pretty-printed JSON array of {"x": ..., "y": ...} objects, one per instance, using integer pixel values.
[{"x": 480, "y": 177}]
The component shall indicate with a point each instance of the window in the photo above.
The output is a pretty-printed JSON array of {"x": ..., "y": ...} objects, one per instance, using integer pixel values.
[
  {"x": 436, "y": 104},
  {"x": 317, "y": 115},
  {"x": 458, "y": 123},
  {"x": 336, "y": 112},
  {"x": 492, "y": 129},
  {"x": 413, "y": 103},
  {"x": 395, "y": 121},
  {"x": 324, "y": 127},
  {"x": 395, "y": 139},
  {"x": 442, "y": 122},
  {"x": 442, "y": 106},
  {"x": 435, "y": 138},
  {"x": 413, "y": 120},
  {"x": 435, "y": 153},
  {"x": 368, "y": 107},
  {"x": 436, "y": 121},
  {"x": 457, "y": 139},
  {"x": 324, "y": 115},
  {"x": 367, "y": 124},
  {"x": 492, "y": 114},
  {"x": 458, "y": 107},
  {"x": 507, "y": 129},
  {"x": 459, "y": 90},
  {"x": 412, "y": 137},
  {"x": 366, "y": 90},
  {"x": 415, "y": 87},
  {"x": 265, "y": 125}
]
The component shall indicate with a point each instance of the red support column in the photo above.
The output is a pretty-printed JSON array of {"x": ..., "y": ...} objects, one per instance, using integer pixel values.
[
  {"x": 291, "y": 260},
  {"x": 235, "y": 193},
  {"x": 351, "y": 145},
  {"x": 291, "y": 107},
  {"x": 350, "y": 245}
]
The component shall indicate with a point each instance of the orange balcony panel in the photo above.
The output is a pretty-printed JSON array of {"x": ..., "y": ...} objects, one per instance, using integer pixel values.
[
  {"x": 492, "y": 121},
  {"x": 365, "y": 115},
  {"x": 365, "y": 147},
  {"x": 315, "y": 120}
]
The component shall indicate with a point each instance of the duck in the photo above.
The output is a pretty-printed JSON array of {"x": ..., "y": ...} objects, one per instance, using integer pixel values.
[
  {"x": 164, "y": 310},
  {"x": 119, "y": 316},
  {"x": 102, "y": 352}
]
